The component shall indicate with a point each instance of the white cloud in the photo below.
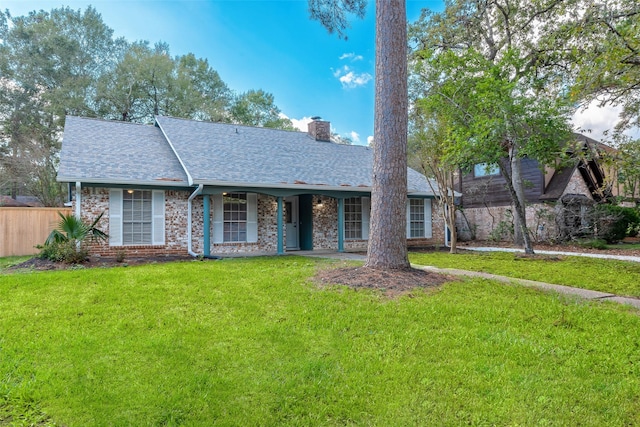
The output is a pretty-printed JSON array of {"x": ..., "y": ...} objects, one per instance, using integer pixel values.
[
  {"x": 355, "y": 136},
  {"x": 350, "y": 79},
  {"x": 370, "y": 140},
  {"x": 599, "y": 122},
  {"x": 301, "y": 124},
  {"x": 352, "y": 56}
]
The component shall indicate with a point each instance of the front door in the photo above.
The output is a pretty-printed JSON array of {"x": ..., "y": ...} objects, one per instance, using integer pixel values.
[{"x": 292, "y": 222}]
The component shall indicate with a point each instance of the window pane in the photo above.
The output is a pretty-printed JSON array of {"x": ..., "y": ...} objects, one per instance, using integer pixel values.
[
  {"x": 482, "y": 169},
  {"x": 416, "y": 218},
  {"x": 137, "y": 217},
  {"x": 235, "y": 217},
  {"x": 353, "y": 218}
]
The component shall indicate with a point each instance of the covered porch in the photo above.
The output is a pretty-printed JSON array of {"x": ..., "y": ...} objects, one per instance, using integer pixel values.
[{"x": 298, "y": 216}]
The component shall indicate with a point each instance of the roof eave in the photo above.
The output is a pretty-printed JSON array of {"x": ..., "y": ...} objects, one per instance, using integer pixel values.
[
  {"x": 105, "y": 181},
  {"x": 309, "y": 187}
]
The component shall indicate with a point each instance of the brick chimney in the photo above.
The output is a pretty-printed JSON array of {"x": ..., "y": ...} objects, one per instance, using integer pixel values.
[{"x": 319, "y": 129}]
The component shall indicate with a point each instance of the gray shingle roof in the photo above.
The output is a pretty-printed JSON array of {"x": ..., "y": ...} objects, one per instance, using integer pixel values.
[
  {"x": 214, "y": 154},
  {"x": 103, "y": 151}
]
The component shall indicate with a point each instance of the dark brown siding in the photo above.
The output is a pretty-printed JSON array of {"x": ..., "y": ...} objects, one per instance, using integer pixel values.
[{"x": 491, "y": 190}]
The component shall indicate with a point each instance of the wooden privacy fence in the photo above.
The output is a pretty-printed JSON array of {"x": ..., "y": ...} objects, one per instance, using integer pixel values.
[{"x": 21, "y": 229}]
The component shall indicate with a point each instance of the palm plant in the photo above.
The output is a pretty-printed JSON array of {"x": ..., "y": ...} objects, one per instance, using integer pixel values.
[
  {"x": 73, "y": 228},
  {"x": 65, "y": 242}
]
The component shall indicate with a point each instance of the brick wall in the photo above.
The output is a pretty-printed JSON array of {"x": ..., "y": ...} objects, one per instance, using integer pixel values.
[
  {"x": 325, "y": 227},
  {"x": 96, "y": 200}
]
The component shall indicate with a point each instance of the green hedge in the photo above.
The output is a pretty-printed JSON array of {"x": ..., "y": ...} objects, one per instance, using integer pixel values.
[{"x": 617, "y": 222}]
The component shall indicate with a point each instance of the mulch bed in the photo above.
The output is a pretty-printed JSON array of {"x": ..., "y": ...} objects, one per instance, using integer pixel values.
[
  {"x": 92, "y": 262},
  {"x": 391, "y": 282}
]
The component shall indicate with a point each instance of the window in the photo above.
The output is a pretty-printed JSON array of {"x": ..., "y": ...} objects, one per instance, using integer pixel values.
[
  {"x": 353, "y": 218},
  {"x": 419, "y": 218},
  {"x": 235, "y": 217},
  {"x": 484, "y": 169},
  {"x": 136, "y": 217},
  {"x": 416, "y": 218}
]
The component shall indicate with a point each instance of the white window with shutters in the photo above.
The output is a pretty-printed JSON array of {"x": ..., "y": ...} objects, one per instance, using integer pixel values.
[
  {"x": 419, "y": 218},
  {"x": 136, "y": 217},
  {"x": 356, "y": 218},
  {"x": 235, "y": 218}
]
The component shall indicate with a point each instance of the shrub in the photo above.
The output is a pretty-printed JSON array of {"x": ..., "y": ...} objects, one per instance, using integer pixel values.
[
  {"x": 63, "y": 251},
  {"x": 593, "y": 243},
  {"x": 65, "y": 243},
  {"x": 615, "y": 222}
]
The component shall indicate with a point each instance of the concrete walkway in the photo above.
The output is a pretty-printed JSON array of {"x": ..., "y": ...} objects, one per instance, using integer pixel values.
[
  {"x": 566, "y": 290},
  {"x": 583, "y": 254}
]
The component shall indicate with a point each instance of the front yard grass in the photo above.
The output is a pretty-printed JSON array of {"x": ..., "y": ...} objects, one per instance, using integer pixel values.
[
  {"x": 617, "y": 277},
  {"x": 10, "y": 261},
  {"x": 253, "y": 342}
]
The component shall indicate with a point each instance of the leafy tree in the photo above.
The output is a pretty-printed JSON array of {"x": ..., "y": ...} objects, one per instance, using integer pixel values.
[
  {"x": 49, "y": 62},
  {"x": 623, "y": 167},
  {"x": 431, "y": 145},
  {"x": 257, "y": 108},
  {"x": 605, "y": 54},
  {"x": 487, "y": 67},
  {"x": 387, "y": 236},
  {"x": 198, "y": 91},
  {"x": 147, "y": 82}
]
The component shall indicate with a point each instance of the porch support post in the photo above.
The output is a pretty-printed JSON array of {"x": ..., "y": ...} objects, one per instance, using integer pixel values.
[
  {"x": 280, "y": 227},
  {"x": 341, "y": 225},
  {"x": 207, "y": 224}
]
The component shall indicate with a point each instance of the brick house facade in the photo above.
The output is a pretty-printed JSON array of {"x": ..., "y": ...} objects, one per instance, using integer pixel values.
[
  {"x": 214, "y": 189},
  {"x": 95, "y": 200}
]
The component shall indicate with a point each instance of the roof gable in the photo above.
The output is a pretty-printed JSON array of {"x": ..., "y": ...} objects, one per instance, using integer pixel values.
[{"x": 104, "y": 151}]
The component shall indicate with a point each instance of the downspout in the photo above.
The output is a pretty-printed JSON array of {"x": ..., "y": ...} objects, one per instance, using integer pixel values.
[
  {"x": 189, "y": 203},
  {"x": 78, "y": 206}
]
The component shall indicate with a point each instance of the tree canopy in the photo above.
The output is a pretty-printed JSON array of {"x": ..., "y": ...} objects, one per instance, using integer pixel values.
[{"x": 485, "y": 68}]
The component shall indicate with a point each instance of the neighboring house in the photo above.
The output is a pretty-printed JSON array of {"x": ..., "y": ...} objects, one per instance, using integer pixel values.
[
  {"x": 204, "y": 188},
  {"x": 558, "y": 198}
]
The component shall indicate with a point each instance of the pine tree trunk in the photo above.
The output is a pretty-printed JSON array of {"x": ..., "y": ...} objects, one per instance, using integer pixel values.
[{"x": 387, "y": 237}]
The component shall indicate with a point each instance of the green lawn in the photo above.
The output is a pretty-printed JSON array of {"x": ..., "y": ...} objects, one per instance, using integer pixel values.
[
  {"x": 617, "y": 277},
  {"x": 252, "y": 342},
  {"x": 624, "y": 246},
  {"x": 11, "y": 261}
]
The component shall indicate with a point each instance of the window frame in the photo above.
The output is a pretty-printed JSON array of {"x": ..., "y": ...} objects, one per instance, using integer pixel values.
[
  {"x": 482, "y": 170},
  {"x": 117, "y": 220},
  {"x": 235, "y": 217},
  {"x": 426, "y": 208},
  {"x": 353, "y": 218},
  {"x": 416, "y": 220},
  {"x": 137, "y": 217}
]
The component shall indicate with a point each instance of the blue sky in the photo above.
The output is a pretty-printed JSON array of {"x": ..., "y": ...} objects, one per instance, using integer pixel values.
[{"x": 274, "y": 46}]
